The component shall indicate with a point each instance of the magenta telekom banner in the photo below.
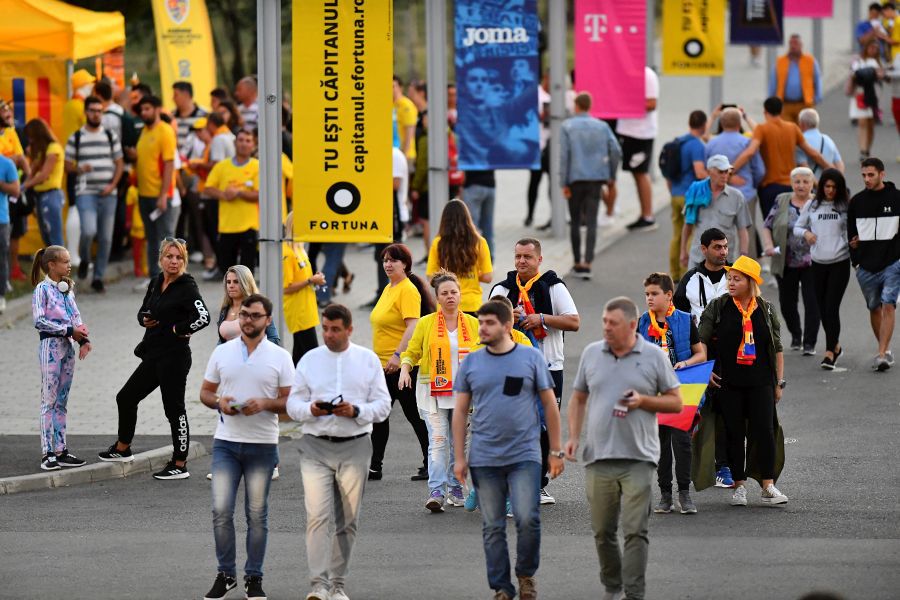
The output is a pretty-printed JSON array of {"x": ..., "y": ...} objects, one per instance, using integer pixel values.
[
  {"x": 809, "y": 8},
  {"x": 610, "y": 55}
]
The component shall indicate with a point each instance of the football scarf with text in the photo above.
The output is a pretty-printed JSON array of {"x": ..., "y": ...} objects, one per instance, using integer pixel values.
[{"x": 441, "y": 354}]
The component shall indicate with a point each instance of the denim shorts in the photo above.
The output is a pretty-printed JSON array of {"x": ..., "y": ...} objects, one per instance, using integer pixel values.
[{"x": 881, "y": 287}]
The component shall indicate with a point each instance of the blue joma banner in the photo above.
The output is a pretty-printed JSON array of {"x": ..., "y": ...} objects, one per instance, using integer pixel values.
[{"x": 497, "y": 81}]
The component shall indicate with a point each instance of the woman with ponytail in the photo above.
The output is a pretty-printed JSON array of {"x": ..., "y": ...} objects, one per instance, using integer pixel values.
[{"x": 59, "y": 325}]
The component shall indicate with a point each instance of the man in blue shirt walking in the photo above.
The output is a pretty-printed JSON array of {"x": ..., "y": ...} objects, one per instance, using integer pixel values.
[{"x": 692, "y": 168}]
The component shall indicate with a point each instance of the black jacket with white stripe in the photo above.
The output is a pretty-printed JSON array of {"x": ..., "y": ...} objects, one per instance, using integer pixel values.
[{"x": 874, "y": 216}]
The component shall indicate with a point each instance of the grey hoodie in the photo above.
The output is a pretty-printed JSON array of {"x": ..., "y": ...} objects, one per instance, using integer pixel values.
[{"x": 830, "y": 229}]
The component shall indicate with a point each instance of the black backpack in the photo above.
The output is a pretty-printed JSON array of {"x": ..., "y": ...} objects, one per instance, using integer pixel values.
[{"x": 670, "y": 159}]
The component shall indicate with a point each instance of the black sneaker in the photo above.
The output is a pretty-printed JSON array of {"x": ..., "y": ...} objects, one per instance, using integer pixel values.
[
  {"x": 643, "y": 224},
  {"x": 809, "y": 350},
  {"x": 221, "y": 586},
  {"x": 375, "y": 475},
  {"x": 113, "y": 455},
  {"x": 253, "y": 587},
  {"x": 172, "y": 471},
  {"x": 421, "y": 475},
  {"x": 49, "y": 463},
  {"x": 97, "y": 286},
  {"x": 83, "y": 269},
  {"x": 67, "y": 459},
  {"x": 796, "y": 344}
]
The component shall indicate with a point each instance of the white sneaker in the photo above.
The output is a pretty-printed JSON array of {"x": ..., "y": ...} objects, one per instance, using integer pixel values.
[
  {"x": 209, "y": 476},
  {"x": 338, "y": 593},
  {"x": 320, "y": 592},
  {"x": 196, "y": 257},
  {"x": 771, "y": 495},
  {"x": 605, "y": 220},
  {"x": 547, "y": 498},
  {"x": 739, "y": 497},
  {"x": 276, "y": 475},
  {"x": 2, "y": 304},
  {"x": 889, "y": 356}
]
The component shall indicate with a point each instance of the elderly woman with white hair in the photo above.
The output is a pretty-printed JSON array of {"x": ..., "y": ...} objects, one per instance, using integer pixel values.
[{"x": 792, "y": 261}]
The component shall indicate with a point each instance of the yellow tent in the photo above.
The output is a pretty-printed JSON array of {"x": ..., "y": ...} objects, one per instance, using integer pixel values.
[{"x": 35, "y": 29}]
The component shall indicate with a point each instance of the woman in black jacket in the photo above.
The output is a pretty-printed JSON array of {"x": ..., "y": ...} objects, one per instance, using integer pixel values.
[{"x": 172, "y": 310}]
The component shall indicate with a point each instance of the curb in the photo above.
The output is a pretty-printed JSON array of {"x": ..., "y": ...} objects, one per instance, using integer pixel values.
[{"x": 143, "y": 462}]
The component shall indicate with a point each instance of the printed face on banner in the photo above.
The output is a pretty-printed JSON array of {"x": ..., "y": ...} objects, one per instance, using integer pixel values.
[{"x": 497, "y": 77}]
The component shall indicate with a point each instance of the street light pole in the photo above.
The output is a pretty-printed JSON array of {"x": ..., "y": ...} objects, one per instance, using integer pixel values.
[
  {"x": 557, "y": 41},
  {"x": 438, "y": 186}
]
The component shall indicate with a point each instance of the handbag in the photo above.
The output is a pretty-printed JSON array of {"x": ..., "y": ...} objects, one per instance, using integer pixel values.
[{"x": 23, "y": 205}]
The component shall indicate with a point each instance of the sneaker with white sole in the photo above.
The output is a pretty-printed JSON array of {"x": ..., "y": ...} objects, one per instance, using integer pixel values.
[
  {"x": 112, "y": 454},
  {"x": 221, "y": 586},
  {"x": 455, "y": 496},
  {"x": 172, "y": 471},
  {"x": 253, "y": 589},
  {"x": 276, "y": 474},
  {"x": 435, "y": 502},
  {"x": 50, "y": 463},
  {"x": 338, "y": 593},
  {"x": 320, "y": 592},
  {"x": 771, "y": 495},
  {"x": 723, "y": 478},
  {"x": 889, "y": 357},
  {"x": 67, "y": 459},
  {"x": 665, "y": 504},
  {"x": 739, "y": 497},
  {"x": 547, "y": 498},
  {"x": 687, "y": 505}
]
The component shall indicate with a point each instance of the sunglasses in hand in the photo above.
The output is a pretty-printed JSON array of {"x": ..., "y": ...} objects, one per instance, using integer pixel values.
[{"x": 330, "y": 404}]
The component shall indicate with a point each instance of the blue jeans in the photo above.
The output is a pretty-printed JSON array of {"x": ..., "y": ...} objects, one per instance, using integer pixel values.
[
  {"x": 521, "y": 483},
  {"x": 880, "y": 288},
  {"x": 480, "y": 201},
  {"x": 253, "y": 462},
  {"x": 156, "y": 231},
  {"x": 440, "y": 450},
  {"x": 334, "y": 256},
  {"x": 49, "y": 205},
  {"x": 98, "y": 214}
]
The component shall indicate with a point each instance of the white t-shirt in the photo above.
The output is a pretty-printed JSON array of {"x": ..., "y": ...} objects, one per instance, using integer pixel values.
[
  {"x": 646, "y": 127},
  {"x": 552, "y": 345},
  {"x": 400, "y": 169},
  {"x": 242, "y": 376}
]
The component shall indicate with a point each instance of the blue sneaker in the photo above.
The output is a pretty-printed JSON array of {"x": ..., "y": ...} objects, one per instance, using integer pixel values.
[
  {"x": 724, "y": 479},
  {"x": 509, "y": 512},
  {"x": 455, "y": 496},
  {"x": 471, "y": 502}
]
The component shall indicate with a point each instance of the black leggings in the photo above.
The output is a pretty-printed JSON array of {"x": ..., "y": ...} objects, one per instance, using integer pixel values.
[
  {"x": 754, "y": 406},
  {"x": 382, "y": 431},
  {"x": 677, "y": 441},
  {"x": 304, "y": 341},
  {"x": 790, "y": 284},
  {"x": 534, "y": 182},
  {"x": 169, "y": 374},
  {"x": 830, "y": 282}
]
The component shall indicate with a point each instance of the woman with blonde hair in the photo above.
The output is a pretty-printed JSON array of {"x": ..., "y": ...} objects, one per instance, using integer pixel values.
[
  {"x": 300, "y": 309},
  {"x": 171, "y": 312},
  {"x": 239, "y": 284},
  {"x": 46, "y": 157},
  {"x": 459, "y": 249}
]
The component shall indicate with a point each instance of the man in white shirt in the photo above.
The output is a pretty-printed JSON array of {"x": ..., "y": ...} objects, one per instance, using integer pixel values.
[
  {"x": 636, "y": 138},
  {"x": 544, "y": 309},
  {"x": 246, "y": 92},
  {"x": 338, "y": 392},
  {"x": 248, "y": 381}
]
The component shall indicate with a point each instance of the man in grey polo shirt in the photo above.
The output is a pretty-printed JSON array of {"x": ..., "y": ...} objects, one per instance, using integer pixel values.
[
  {"x": 622, "y": 382},
  {"x": 715, "y": 204}
]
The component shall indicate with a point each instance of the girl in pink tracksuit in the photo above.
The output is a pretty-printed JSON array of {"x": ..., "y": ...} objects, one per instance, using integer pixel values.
[{"x": 59, "y": 325}]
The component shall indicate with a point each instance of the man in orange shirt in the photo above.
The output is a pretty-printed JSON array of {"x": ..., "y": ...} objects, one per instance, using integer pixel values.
[
  {"x": 776, "y": 140},
  {"x": 795, "y": 79}
]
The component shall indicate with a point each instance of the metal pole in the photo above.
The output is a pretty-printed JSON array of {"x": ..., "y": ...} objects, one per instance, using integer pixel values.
[
  {"x": 268, "y": 51},
  {"x": 650, "y": 34},
  {"x": 817, "y": 43},
  {"x": 715, "y": 92},
  {"x": 557, "y": 42},
  {"x": 436, "y": 48},
  {"x": 854, "y": 17},
  {"x": 771, "y": 57}
]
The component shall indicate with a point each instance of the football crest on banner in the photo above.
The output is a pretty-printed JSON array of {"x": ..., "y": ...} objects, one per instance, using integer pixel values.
[{"x": 178, "y": 10}]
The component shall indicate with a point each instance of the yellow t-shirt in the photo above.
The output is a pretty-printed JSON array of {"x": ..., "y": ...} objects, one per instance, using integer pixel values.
[
  {"x": 54, "y": 181},
  {"x": 287, "y": 183},
  {"x": 468, "y": 282},
  {"x": 155, "y": 146},
  {"x": 238, "y": 215},
  {"x": 9, "y": 142},
  {"x": 407, "y": 115},
  {"x": 520, "y": 338},
  {"x": 73, "y": 117},
  {"x": 894, "y": 31},
  {"x": 397, "y": 303},
  {"x": 300, "y": 308}
]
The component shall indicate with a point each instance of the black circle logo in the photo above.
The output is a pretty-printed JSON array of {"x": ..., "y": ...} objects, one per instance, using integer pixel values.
[
  {"x": 343, "y": 197},
  {"x": 693, "y": 47}
]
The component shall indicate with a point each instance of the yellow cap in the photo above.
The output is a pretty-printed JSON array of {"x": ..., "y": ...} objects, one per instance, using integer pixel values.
[
  {"x": 747, "y": 266},
  {"x": 199, "y": 123},
  {"x": 81, "y": 78}
]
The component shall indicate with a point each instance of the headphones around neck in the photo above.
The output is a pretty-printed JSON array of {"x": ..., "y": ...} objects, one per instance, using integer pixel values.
[{"x": 63, "y": 285}]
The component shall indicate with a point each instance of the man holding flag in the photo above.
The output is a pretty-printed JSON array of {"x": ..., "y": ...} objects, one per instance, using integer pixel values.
[{"x": 676, "y": 333}]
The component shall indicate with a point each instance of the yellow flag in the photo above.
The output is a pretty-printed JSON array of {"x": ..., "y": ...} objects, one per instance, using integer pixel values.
[
  {"x": 693, "y": 37},
  {"x": 184, "y": 44},
  {"x": 343, "y": 61}
]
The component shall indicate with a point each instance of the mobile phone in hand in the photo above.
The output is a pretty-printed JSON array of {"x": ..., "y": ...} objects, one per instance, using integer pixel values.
[
  {"x": 621, "y": 410},
  {"x": 326, "y": 406}
]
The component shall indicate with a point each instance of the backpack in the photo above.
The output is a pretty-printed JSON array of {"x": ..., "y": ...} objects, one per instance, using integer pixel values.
[
  {"x": 109, "y": 136},
  {"x": 670, "y": 159}
]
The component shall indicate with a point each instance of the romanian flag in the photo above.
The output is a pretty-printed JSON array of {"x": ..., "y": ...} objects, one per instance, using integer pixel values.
[{"x": 694, "y": 380}]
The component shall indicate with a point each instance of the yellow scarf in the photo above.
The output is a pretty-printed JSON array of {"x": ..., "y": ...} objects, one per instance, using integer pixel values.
[
  {"x": 539, "y": 332},
  {"x": 441, "y": 355},
  {"x": 654, "y": 330},
  {"x": 746, "y": 353}
]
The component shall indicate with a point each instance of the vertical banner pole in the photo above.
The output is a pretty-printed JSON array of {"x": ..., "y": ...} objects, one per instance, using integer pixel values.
[
  {"x": 268, "y": 51},
  {"x": 557, "y": 42},
  {"x": 854, "y": 17},
  {"x": 817, "y": 44},
  {"x": 436, "y": 49}
]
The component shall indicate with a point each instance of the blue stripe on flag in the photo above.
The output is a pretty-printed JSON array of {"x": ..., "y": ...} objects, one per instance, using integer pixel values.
[
  {"x": 696, "y": 373},
  {"x": 18, "y": 93}
]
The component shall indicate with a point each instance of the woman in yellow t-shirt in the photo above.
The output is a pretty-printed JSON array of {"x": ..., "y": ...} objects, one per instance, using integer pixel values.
[
  {"x": 300, "y": 309},
  {"x": 46, "y": 157},
  {"x": 460, "y": 250},
  {"x": 403, "y": 300}
]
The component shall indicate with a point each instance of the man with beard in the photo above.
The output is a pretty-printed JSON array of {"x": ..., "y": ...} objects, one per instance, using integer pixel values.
[
  {"x": 254, "y": 377},
  {"x": 156, "y": 150},
  {"x": 94, "y": 157}
]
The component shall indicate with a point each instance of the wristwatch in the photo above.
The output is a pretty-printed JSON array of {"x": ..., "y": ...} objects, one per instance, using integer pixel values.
[
  {"x": 557, "y": 453},
  {"x": 782, "y": 383}
]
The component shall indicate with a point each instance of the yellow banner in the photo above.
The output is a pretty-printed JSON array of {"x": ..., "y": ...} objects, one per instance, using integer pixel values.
[
  {"x": 343, "y": 62},
  {"x": 184, "y": 44},
  {"x": 693, "y": 37}
]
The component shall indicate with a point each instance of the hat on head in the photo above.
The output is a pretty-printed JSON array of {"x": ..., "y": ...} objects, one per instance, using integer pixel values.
[
  {"x": 747, "y": 266},
  {"x": 199, "y": 124},
  {"x": 81, "y": 78},
  {"x": 718, "y": 161},
  {"x": 3, "y": 104}
]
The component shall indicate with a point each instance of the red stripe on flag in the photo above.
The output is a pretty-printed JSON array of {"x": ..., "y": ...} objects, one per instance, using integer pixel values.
[{"x": 43, "y": 99}]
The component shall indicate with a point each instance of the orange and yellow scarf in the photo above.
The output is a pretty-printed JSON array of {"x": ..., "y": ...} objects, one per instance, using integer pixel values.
[
  {"x": 539, "y": 332},
  {"x": 442, "y": 355},
  {"x": 746, "y": 353},
  {"x": 655, "y": 331}
]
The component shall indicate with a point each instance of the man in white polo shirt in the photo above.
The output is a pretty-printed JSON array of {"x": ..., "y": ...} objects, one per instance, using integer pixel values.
[
  {"x": 338, "y": 392},
  {"x": 248, "y": 381}
]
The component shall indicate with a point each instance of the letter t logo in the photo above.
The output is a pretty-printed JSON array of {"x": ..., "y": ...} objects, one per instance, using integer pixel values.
[{"x": 595, "y": 24}]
